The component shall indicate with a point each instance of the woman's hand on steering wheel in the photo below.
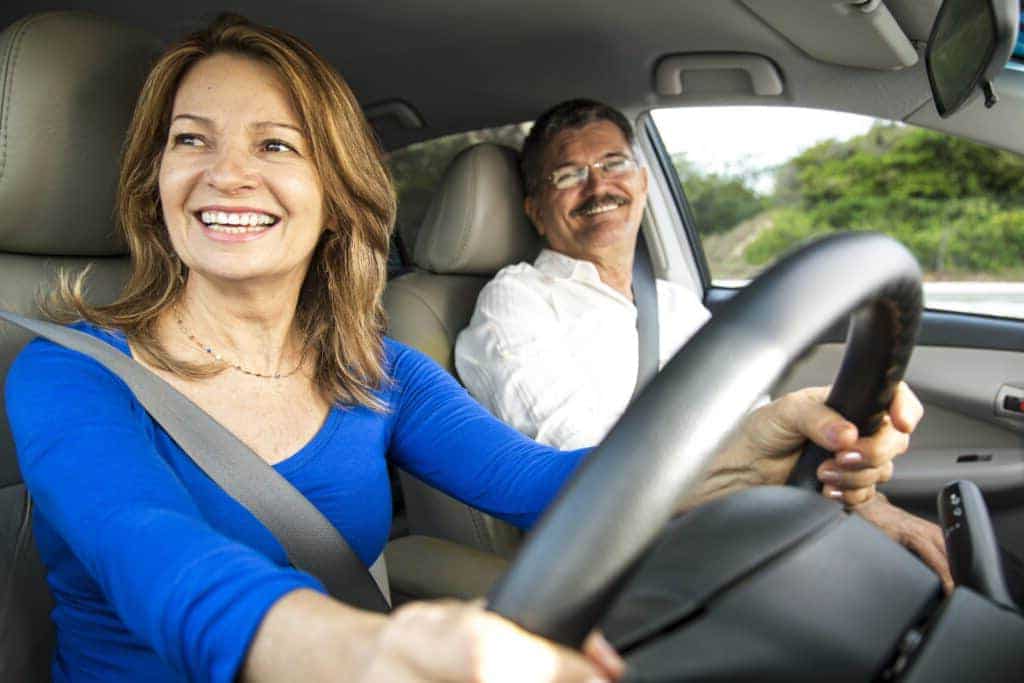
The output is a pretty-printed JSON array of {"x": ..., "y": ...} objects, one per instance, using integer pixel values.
[
  {"x": 859, "y": 464},
  {"x": 776, "y": 433},
  {"x": 455, "y": 641}
]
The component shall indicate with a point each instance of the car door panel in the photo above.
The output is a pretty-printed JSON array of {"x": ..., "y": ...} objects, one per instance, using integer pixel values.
[{"x": 961, "y": 435}]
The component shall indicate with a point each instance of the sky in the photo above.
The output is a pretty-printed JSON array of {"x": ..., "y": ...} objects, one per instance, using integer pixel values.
[{"x": 724, "y": 140}]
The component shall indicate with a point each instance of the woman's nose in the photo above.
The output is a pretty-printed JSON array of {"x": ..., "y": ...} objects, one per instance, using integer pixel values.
[{"x": 232, "y": 170}]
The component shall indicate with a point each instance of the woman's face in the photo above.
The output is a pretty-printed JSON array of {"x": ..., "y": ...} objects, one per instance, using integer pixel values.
[{"x": 240, "y": 194}]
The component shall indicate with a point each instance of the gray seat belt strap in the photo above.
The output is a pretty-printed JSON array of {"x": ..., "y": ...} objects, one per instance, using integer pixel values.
[
  {"x": 645, "y": 296},
  {"x": 310, "y": 541}
]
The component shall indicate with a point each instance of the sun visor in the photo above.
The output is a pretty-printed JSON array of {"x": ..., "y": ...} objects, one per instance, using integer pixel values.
[{"x": 859, "y": 33}]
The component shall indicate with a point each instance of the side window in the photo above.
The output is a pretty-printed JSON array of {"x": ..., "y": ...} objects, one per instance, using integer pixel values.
[
  {"x": 760, "y": 180},
  {"x": 417, "y": 169}
]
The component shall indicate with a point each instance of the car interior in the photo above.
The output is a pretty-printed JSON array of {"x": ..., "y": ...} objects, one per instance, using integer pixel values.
[{"x": 758, "y": 607}]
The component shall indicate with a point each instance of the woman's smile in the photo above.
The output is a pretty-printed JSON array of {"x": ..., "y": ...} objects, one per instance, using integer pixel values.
[{"x": 226, "y": 224}]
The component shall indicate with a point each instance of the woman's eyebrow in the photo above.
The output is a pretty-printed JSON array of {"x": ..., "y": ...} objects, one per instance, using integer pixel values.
[
  {"x": 193, "y": 117},
  {"x": 276, "y": 124},
  {"x": 257, "y": 125}
]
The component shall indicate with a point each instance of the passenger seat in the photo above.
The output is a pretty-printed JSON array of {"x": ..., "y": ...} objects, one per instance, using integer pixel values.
[{"x": 474, "y": 226}]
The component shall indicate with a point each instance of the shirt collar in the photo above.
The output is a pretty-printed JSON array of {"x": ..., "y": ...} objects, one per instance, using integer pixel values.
[{"x": 557, "y": 264}]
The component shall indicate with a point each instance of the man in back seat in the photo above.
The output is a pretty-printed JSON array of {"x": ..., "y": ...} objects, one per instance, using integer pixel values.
[{"x": 552, "y": 346}]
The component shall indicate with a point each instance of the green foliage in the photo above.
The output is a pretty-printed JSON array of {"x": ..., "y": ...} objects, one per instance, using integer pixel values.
[
  {"x": 907, "y": 163},
  {"x": 791, "y": 227},
  {"x": 718, "y": 201},
  {"x": 957, "y": 205}
]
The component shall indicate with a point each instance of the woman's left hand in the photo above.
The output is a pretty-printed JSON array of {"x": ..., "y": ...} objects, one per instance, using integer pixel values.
[
  {"x": 777, "y": 432},
  {"x": 772, "y": 438}
]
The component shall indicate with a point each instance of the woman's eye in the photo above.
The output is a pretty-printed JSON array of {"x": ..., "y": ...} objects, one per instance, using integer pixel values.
[
  {"x": 277, "y": 146},
  {"x": 188, "y": 140}
]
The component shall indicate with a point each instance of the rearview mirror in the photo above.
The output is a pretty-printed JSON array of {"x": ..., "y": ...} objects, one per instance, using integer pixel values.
[{"x": 970, "y": 42}]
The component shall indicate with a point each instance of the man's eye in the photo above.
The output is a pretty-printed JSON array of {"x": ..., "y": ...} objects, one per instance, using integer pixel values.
[
  {"x": 277, "y": 146},
  {"x": 567, "y": 177},
  {"x": 618, "y": 164},
  {"x": 189, "y": 140}
]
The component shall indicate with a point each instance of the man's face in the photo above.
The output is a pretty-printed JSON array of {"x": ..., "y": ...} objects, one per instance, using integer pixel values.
[{"x": 600, "y": 217}]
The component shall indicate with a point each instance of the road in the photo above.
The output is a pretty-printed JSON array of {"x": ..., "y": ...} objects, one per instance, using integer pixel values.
[{"x": 991, "y": 298}]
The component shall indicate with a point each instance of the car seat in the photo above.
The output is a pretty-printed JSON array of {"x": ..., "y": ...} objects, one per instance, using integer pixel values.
[
  {"x": 474, "y": 226},
  {"x": 69, "y": 81}
]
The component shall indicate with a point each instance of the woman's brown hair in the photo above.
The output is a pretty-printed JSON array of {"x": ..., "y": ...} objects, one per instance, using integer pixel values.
[{"x": 339, "y": 314}]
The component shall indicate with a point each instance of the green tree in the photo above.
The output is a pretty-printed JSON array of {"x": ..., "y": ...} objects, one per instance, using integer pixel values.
[
  {"x": 956, "y": 204},
  {"x": 719, "y": 201}
]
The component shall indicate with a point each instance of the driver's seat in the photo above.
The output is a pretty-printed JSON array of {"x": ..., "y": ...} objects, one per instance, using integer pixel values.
[
  {"x": 70, "y": 82},
  {"x": 474, "y": 226}
]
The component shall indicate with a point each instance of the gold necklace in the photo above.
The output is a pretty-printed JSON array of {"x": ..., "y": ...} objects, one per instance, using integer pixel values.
[{"x": 219, "y": 358}]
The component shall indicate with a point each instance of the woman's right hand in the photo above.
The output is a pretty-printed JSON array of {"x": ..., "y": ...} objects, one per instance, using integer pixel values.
[
  {"x": 457, "y": 641},
  {"x": 309, "y": 637}
]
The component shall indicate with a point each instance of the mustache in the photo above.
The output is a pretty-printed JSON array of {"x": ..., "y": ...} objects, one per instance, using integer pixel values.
[{"x": 598, "y": 200}]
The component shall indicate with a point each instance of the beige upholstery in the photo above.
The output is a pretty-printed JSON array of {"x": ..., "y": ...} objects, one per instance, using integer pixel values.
[
  {"x": 428, "y": 568},
  {"x": 69, "y": 84},
  {"x": 475, "y": 224},
  {"x": 474, "y": 227}
]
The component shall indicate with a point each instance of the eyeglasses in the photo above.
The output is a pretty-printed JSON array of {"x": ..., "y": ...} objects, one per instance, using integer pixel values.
[{"x": 574, "y": 176}]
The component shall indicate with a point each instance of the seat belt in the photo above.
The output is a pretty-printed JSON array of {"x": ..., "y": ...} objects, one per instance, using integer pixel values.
[
  {"x": 645, "y": 296},
  {"x": 309, "y": 539}
]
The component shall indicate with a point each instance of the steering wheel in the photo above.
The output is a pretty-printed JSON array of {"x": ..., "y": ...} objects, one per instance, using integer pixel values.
[{"x": 578, "y": 557}]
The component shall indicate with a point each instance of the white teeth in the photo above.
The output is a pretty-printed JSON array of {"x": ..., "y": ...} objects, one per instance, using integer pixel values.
[
  {"x": 232, "y": 230},
  {"x": 222, "y": 221},
  {"x": 602, "y": 208}
]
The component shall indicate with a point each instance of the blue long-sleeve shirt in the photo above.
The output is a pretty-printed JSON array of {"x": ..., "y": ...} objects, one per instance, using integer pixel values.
[{"x": 158, "y": 575}]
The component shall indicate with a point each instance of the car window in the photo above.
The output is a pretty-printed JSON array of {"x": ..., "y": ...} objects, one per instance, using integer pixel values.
[
  {"x": 416, "y": 170},
  {"x": 760, "y": 180}
]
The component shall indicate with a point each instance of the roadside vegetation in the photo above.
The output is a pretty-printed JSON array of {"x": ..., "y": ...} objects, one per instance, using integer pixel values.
[{"x": 958, "y": 206}]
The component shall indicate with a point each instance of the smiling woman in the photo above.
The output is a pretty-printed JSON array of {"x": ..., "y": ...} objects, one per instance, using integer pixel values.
[
  {"x": 199, "y": 136},
  {"x": 257, "y": 212}
]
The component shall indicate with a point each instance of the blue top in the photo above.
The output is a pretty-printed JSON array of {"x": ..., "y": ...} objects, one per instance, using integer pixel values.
[{"x": 158, "y": 575}]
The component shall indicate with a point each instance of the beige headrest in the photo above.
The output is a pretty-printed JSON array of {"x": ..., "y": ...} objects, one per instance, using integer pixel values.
[
  {"x": 475, "y": 224},
  {"x": 70, "y": 80}
]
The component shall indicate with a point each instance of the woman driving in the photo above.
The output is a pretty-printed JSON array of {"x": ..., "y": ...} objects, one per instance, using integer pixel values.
[{"x": 258, "y": 211}]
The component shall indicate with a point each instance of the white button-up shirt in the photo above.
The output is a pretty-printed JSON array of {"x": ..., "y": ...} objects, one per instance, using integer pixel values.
[{"x": 552, "y": 350}]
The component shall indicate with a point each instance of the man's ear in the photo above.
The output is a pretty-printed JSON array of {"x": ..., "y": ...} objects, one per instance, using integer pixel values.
[
  {"x": 643, "y": 178},
  {"x": 533, "y": 213}
]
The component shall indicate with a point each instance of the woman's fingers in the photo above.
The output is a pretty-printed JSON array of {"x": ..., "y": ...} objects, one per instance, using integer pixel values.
[
  {"x": 906, "y": 409},
  {"x": 451, "y": 641},
  {"x": 599, "y": 651},
  {"x": 849, "y": 497},
  {"x": 833, "y": 474},
  {"x": 877, "y": 449}
]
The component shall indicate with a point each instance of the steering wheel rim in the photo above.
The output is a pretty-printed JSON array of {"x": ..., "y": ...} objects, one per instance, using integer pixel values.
[{"x": 571, "y": 567}]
